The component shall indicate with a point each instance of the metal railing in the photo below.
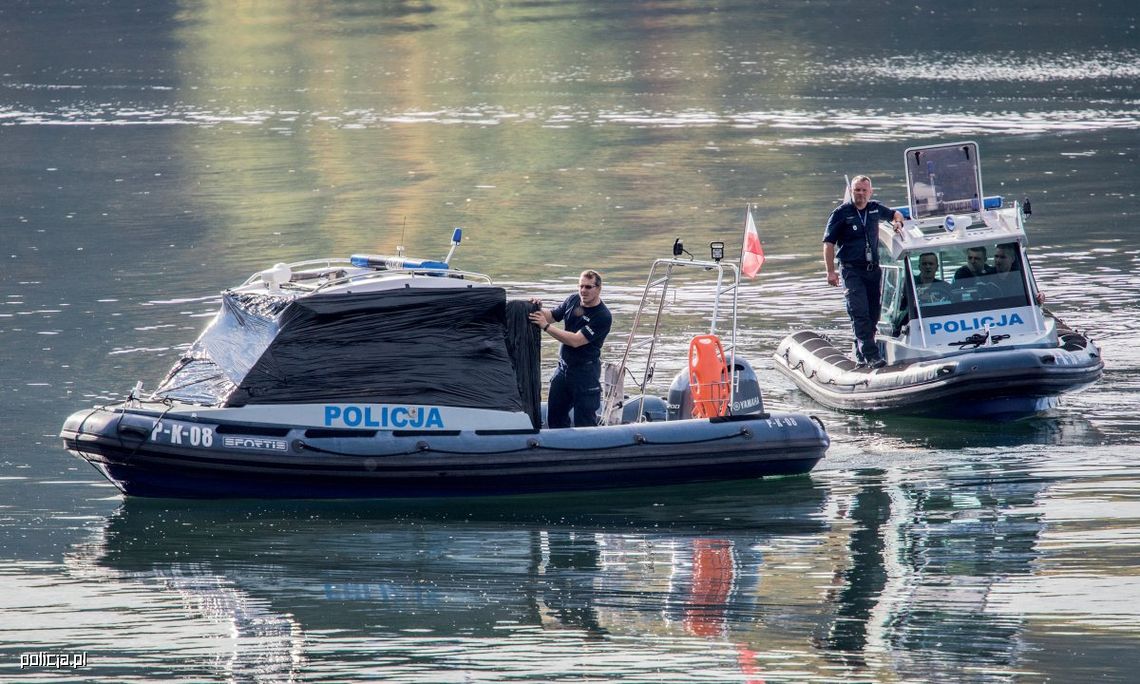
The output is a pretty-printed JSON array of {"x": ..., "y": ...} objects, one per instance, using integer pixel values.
[{"x": 643, "y": 334}]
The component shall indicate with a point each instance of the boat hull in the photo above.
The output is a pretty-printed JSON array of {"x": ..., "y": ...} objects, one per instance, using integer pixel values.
[
  {"x": 134, "y": 448},
  {"x": 989, "y": 383}
]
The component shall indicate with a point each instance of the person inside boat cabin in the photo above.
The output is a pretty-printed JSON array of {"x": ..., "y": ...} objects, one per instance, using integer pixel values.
[
  {"x": 852, "y": 235},
  {"x": 927, "y": 278},
  {"x": 576, "y": 383},
  {"x": 927, "y": 269},
  {"x": 975, "y": 264},
  {"x": 1008, "y": 276}
]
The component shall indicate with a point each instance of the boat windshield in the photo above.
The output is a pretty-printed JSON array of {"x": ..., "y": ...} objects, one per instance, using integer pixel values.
[
  {"x": 943, "y": 179},
  {"x": 979, "y": 278}
]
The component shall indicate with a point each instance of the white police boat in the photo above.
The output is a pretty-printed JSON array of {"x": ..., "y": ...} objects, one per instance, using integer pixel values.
[
  {"x": 379, "y": 377},
  {"x": 968, "y": 338}
]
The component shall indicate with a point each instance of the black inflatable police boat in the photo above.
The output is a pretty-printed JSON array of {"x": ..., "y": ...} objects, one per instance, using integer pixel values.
[{"x": 393, "y": 377}]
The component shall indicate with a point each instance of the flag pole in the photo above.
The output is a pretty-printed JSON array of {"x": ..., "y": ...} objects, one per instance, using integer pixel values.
[
  {"x": 744, "y": 241},
  {"x": 733, "y": 379}
]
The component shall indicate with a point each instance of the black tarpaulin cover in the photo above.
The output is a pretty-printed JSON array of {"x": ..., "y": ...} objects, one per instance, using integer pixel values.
[
  {"x": 524, "y": 344},
  {"x": 439, "y": 346}
]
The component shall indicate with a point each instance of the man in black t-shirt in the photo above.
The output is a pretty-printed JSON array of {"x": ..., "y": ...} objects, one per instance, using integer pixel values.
[
  {"x": 1008, "y": 277},
  {"x": 576, "y": 384},
  {"x": 975, "y": 264}
]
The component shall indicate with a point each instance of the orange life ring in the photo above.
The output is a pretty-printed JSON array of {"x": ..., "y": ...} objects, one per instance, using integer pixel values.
[{"x": 708, "y": 377}]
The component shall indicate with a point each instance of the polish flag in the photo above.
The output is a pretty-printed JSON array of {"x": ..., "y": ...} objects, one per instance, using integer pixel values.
[{"x": 752, "y": 255}]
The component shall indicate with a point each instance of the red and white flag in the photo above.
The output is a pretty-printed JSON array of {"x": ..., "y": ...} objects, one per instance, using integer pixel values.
[{"x": 752, "y": 254}]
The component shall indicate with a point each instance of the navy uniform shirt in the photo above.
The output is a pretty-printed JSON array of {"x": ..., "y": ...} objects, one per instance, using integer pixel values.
[
  {"x": 852, "y": 231},
  {"x": 593, "y": 322}
]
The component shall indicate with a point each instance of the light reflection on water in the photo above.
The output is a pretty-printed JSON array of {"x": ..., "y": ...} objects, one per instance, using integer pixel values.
[
  {"x": 1011, "y": 66},
  {"x": 861, "y": 124},
  {"x": 821, "y": 119}
]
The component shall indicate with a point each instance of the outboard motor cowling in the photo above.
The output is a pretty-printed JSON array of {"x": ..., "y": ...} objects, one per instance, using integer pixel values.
[
  {"x": 747, "y": 399},
  {"x": 679, "y": 404}
]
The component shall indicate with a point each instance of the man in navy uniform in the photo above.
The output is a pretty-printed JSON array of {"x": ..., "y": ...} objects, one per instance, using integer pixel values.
[
  {"x": 577, "y": 382},
  {"x": 852, "y": 234}
]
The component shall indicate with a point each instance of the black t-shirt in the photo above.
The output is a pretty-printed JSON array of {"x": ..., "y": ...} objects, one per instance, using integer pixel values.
[{"x": 593, "y": 322}]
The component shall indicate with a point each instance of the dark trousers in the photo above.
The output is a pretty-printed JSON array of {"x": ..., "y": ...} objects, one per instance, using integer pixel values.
[
  {"x": 578, "y": 388},
  {"x": 862, "y": 294}
]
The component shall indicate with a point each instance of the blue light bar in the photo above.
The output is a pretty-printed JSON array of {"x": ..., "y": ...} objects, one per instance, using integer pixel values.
[
  {"x": 383, "y": 262},
  {"x": 994, "y": 202}
]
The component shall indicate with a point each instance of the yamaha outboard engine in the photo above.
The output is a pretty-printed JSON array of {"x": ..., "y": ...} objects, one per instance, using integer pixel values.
[
  {"x": 679, "y": 405},
  {"x": 746, "y": 401}
]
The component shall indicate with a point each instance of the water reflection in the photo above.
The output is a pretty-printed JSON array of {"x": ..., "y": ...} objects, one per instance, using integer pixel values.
[
  {"x": 878, "y": 574},
  {"x": 681, "y": 565},
  {"x": 971, "y": 537},
  {"x": 1061, "y": 427},
  {"x": 803, "y": 125},
  {"x": 861, "y": 584},
  {"x": 1000, "y": 67}
]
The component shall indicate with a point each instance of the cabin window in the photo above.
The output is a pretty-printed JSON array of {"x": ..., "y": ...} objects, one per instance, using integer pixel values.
[
  {"x": 893, "y": 294},
  {"x": 964, "y": 280}
]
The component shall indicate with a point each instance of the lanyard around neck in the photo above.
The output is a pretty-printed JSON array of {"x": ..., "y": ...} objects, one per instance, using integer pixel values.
[{"x": 869, "y": 253}]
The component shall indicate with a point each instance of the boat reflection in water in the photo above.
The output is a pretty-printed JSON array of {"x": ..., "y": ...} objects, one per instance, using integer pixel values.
[
  {"x": 1065, "y": 429},
  {"x": 674, "y": 567},
  {"x": 863, "y": 574}
]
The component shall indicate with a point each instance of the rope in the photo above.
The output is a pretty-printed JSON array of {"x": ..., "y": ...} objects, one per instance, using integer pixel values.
[
  {"x": 422, "y": 447},
  {"x": 169, "y": 408}
]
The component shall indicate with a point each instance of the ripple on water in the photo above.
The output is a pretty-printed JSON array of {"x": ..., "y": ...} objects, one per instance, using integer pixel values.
[
  {"x": 815, "y": 126},
  {"x": 1009, "y": 66}
]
